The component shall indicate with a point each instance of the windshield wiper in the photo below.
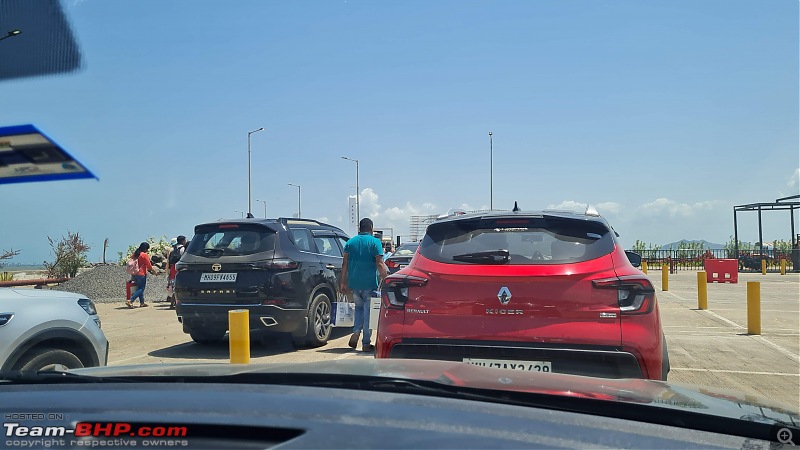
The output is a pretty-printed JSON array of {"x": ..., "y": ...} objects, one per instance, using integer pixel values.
[{"x": 490, "y": 256}]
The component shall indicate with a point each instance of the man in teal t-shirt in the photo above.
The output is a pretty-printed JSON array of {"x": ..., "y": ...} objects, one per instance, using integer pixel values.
[{"x": 362, "y": 264}]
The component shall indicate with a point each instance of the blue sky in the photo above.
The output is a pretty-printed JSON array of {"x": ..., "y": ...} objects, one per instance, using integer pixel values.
[{"x": 663, "y": 114}]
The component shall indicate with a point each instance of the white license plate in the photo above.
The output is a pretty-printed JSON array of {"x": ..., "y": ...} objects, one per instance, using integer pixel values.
[
  {"x": 217, "y": 277},
  {"x": 402, "y": 265},
  {"x": 525, "y": 366}
]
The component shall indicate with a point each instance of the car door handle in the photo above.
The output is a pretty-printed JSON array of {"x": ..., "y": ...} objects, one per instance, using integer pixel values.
[{"x": 330, "y": 266}]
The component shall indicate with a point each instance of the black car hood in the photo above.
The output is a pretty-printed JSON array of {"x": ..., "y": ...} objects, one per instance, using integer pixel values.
[{"x": 660, "y": 394}]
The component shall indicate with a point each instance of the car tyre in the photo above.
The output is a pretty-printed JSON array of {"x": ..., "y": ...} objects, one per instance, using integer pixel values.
[
  {"x": 318, "y": 328},
  {"x": 207, "y": 336},
  {"x": 47, "y": 358}
]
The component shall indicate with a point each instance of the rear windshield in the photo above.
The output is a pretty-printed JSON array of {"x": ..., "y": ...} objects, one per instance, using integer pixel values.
[
  {"x": 238, "y": 240},
  {"x": 406, "y": 250},
  {"x": 546, "y": 240}
]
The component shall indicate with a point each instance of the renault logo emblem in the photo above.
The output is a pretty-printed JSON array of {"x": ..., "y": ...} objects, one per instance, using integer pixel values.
[
  {"x": 504, "y": 295},
  {"x": 216, "y": 267}
]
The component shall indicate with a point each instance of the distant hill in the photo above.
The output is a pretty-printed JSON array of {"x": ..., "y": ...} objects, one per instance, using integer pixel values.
[{"x": 682, "y": 243}]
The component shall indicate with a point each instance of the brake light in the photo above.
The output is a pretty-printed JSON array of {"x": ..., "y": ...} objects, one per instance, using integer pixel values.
[
  {"x": 229, "y": 225},
  {"x": 395, "y": 289},
  {"x": 179, "y": 266},
  {"x": 276, "y": 264},
  {"x": 635, "y": 294}
]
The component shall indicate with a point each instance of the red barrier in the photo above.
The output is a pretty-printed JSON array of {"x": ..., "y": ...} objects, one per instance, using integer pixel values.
[
  {"x": 721, "y": 270},
  {"x": 128, "y": 285}
]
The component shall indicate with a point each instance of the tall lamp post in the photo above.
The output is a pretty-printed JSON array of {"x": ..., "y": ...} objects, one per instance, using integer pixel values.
[
  {"x": 298, "y": 198},
  {"x": 241, "y": 212},
  {"x": 491, "y": 174},
  {"x": 265, "y": 207},
  {"x": 358, "y": 203},
  {"x": 249, "y": 195}
]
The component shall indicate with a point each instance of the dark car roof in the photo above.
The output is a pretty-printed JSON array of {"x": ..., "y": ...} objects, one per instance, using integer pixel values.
[
  {"x": 505, "y": 214},
  {"x": 278, "y": 223}
]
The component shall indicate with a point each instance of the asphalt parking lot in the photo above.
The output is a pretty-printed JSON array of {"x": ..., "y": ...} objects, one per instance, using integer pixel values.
[{"x": 707, "y": 348}]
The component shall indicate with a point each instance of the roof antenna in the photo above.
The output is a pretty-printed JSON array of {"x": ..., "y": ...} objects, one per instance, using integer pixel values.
[
  {"x": 591, "y": 211},
  {"x": 516, "y": 208},
  {"x": 250, "y": 216}
]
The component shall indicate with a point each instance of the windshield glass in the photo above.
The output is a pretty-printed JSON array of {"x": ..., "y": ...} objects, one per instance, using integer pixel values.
[
  {"x": 603, "y": 190},
  {"x": 232, "y": 241},
  {"x": 406, "y": 250},
  {"x": 534, "y": 241}
]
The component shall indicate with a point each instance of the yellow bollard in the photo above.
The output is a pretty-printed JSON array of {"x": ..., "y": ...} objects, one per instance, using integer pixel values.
[
  {"x": 783, "y": 266},
  {"x": 753, "y": 307},
  {"x": 644, "y": 267},
  {"x": 239, "y": 336},
  {"x": 763, "y": 267},
  {"x": 702, "y": 291},
  {"x": 665, "y": 276}
]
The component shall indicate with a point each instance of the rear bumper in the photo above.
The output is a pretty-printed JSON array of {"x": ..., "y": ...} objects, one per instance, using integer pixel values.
[
  {"x": 606, "y": 362},
  {"x": 262, "y": 317}
]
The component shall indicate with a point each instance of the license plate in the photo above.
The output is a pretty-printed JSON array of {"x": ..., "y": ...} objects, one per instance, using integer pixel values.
[
  {"x": 217, "y": 277},
  {"x": 402, "y": 265},
  {"x": 525, "y": 366}
]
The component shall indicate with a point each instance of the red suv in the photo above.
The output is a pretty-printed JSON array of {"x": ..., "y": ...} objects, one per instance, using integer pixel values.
[{"x": 536, "y": 291}]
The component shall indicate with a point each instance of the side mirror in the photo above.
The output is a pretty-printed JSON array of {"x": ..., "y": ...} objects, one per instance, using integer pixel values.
[{"x": 634, "y": 258}]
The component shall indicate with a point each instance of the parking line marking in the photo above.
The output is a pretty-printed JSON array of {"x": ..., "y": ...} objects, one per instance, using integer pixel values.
[
  {"x": 762, "y": 339},
  {"x": 723, "y": 319},
  {"x": 778, "y": 347},
  {"x": 744, "y": 372}
]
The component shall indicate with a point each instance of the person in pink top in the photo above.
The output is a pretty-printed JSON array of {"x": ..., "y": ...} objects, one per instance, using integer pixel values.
[{"x": 141, "y": 276}]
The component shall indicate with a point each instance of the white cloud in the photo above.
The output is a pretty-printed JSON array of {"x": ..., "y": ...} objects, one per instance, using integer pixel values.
[
  {"x": 794, "y": 179},
  {"x": 368, "y": 202},
  {"x": 611, "y": 207},
  {"x": 339, "y": 219},
  {"x": 569, "y": 205},
  {"x": 666, "y": 206}
]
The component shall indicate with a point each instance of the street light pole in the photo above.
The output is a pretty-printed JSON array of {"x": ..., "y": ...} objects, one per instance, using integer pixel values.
[
  {"x": 11, "y": 33},
  {"x": 298, "y": 198},
  {"x": 249, "y": 195},
  {"x": 358, "y": 193},
  {"x": 242, "y": 212},
  {"x": 491, "y": 174},
  {"x": 265, "y": 207}
]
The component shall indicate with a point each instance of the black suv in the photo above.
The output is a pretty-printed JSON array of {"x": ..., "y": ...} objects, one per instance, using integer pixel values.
[{"x": 284, "y": 271}]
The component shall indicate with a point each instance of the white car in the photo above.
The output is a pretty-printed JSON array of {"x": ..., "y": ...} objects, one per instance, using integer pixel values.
[{"x": 40, "y": 330}]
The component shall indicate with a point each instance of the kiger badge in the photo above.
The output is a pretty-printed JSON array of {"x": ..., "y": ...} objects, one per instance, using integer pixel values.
[
  {"x": 216, "y": 267},
  {"x": 504, "y": 295}
]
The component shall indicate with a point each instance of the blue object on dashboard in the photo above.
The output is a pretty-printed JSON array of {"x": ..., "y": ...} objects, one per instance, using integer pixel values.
[{"x": 28, "y": 155}]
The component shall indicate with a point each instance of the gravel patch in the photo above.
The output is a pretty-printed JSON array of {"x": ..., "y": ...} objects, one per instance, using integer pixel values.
[{"x": 106, "y": 284}]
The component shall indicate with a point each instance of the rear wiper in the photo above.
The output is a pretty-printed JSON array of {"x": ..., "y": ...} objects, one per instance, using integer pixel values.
[
  {"x": 491, "y": 256},
  {"x": 215, "y": 251}
]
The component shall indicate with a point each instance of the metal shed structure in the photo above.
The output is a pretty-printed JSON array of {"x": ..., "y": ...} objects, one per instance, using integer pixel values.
[{"x": 781, "y": 204}]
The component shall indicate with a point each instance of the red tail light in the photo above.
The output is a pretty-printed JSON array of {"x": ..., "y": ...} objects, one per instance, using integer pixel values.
[
  {"x": 276, "y": 264},
  {"x": 181, "y": 266},
  {"x": 635, "y": 294},
  {"x": 395, "y": 289}
]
